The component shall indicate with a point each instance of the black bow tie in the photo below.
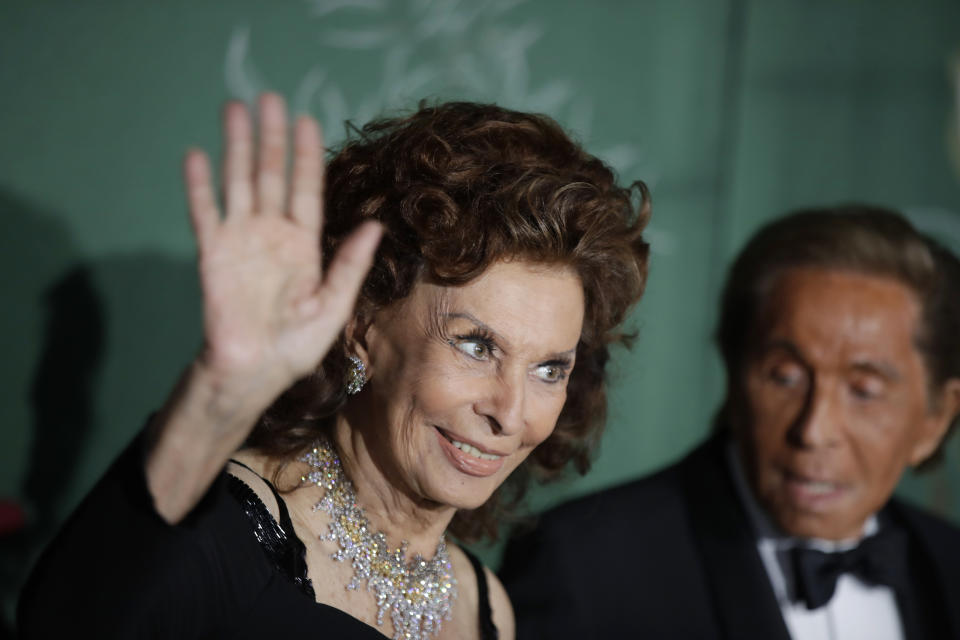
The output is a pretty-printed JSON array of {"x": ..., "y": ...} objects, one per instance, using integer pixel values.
[{"x": 880, "y": 559}]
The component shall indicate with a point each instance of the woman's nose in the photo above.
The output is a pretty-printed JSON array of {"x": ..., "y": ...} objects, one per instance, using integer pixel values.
[{"x": 503, "y": 404}]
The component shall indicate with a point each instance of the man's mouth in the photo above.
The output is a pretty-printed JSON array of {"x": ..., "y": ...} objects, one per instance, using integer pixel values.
[{"x": 804, "y": 489}]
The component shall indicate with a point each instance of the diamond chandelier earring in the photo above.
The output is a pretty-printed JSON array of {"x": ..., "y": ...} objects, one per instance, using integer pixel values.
[{"x": 356, "y": 375}]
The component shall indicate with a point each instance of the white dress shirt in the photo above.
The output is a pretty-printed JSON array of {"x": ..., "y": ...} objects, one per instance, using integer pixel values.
[{"x": 857, "y": 610}]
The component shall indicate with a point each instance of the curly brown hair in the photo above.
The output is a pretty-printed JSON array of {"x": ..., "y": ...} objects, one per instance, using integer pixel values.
[{"x": 457, "y": 187}]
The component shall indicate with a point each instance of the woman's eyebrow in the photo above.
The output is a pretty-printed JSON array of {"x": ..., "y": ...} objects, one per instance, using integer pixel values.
[
  {"x": 464, "y": 315},
  {"x": 559, "y": 356}
]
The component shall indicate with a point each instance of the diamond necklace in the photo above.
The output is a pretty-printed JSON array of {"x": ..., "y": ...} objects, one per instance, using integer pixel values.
[{"x": 419, "y": 595}]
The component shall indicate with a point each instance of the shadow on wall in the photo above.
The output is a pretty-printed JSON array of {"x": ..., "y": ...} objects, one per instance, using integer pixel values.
[
  {"x": 95, "y": 345},
  {"x": 41, "y": 282},
  {"x": 62, "y": 393},
  {"x": 61, "y": 399}
]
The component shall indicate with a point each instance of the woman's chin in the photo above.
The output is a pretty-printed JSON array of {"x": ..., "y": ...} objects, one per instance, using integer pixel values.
[
  {"x": 465, "y": 496},
  {"x": 448, "y": 487}
]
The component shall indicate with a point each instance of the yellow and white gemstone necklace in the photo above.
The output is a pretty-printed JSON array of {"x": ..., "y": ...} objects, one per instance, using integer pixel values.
[{"x": 419, "y": 595}]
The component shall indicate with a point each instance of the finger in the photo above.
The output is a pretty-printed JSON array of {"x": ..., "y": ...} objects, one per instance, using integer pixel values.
[
  {"x": 272, "y": 154},
  {"x": 200, "y": 199},
  {"x": 237, "y": 160},
  {"x": 343, "y": 280},
  {"x": 305, "y": 195}
]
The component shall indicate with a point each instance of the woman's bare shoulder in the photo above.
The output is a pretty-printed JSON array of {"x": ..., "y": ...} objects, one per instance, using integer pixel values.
[
  {"x": 502, "y": 609},
  {"x": 257, "y": 468},
  {"x": 468, "y": 595}
]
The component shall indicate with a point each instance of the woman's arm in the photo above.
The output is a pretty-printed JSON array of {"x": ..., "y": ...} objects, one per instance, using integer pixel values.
[{"x": 270, "y": 314}]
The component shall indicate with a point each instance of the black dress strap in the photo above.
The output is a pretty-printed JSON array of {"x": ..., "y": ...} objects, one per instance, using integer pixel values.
[
  {"x": 288, "y": 553},
  {"x": 278, "y": 540},
  {"x": 488, "y": 630},
  {"x": 285, "y": 520}
]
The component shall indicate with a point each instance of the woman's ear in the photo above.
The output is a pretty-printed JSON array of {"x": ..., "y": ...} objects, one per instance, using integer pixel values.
[{"x": 357, "y": 336}]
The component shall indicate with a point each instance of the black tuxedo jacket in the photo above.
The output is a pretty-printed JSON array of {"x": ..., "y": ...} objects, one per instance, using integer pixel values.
[{"x": 673, "y": 556}]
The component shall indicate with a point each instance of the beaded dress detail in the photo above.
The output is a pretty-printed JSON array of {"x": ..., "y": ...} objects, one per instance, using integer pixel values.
[
  {"x": 284, "y": 549},
  {"x": 418, "y": 595}
]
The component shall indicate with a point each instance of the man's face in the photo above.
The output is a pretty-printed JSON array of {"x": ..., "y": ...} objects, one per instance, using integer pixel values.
[{"x": 835, "y": 400}]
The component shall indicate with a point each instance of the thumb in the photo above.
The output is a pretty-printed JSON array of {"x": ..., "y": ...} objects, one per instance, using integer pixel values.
[{"x": 337, "y": 294}]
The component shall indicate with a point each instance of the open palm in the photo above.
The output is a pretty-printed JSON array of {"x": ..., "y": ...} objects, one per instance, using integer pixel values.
[{"x": 270, "y": 313}]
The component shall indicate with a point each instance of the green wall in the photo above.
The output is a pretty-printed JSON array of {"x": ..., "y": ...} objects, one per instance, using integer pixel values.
[{"x": 732, "y": 110}]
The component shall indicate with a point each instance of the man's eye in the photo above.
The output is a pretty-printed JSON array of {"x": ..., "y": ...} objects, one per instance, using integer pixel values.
[
  {"x": 550, "y": 373},
  {"x": 867, "y": 389},
  {"x": 786, "y": 376},
  {"x": 862, "y": 393},
  {"x": 474, "y": 349}
]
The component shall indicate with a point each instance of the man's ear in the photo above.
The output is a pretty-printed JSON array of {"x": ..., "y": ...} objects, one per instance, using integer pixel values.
[{"x": 944, "y": 409}]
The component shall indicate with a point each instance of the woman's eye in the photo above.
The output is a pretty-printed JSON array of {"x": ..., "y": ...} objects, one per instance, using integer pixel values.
[
  {"x": 550, "y": 373},
  {"x": 474, "y": 349}
]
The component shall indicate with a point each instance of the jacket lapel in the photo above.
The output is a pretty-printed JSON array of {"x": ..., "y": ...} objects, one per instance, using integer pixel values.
[
  {"x": 938, "y": 554},
  {"x": 745, "y": 602}
]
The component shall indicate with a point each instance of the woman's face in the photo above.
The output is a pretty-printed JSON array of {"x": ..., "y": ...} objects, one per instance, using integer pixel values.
[{"x": 466, "y": 381}]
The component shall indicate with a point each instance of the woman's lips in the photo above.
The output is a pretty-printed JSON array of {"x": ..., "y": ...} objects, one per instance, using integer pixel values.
[{"x": 467, "y": 458}]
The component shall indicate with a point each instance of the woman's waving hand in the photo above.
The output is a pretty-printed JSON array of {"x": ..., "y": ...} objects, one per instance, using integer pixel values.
[{"x": 270, "y": 312}]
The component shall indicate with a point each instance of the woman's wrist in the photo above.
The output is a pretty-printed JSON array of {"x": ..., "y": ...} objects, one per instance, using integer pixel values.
[
  {"x": 223, "y": 397},
  {"x": 205, "y": 420}
]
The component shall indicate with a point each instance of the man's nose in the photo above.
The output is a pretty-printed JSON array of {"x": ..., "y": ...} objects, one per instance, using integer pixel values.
[{"x": 819, "y": 422}]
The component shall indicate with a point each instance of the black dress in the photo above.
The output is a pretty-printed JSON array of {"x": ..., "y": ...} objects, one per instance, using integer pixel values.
[{"x": 228, "y": 570}]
